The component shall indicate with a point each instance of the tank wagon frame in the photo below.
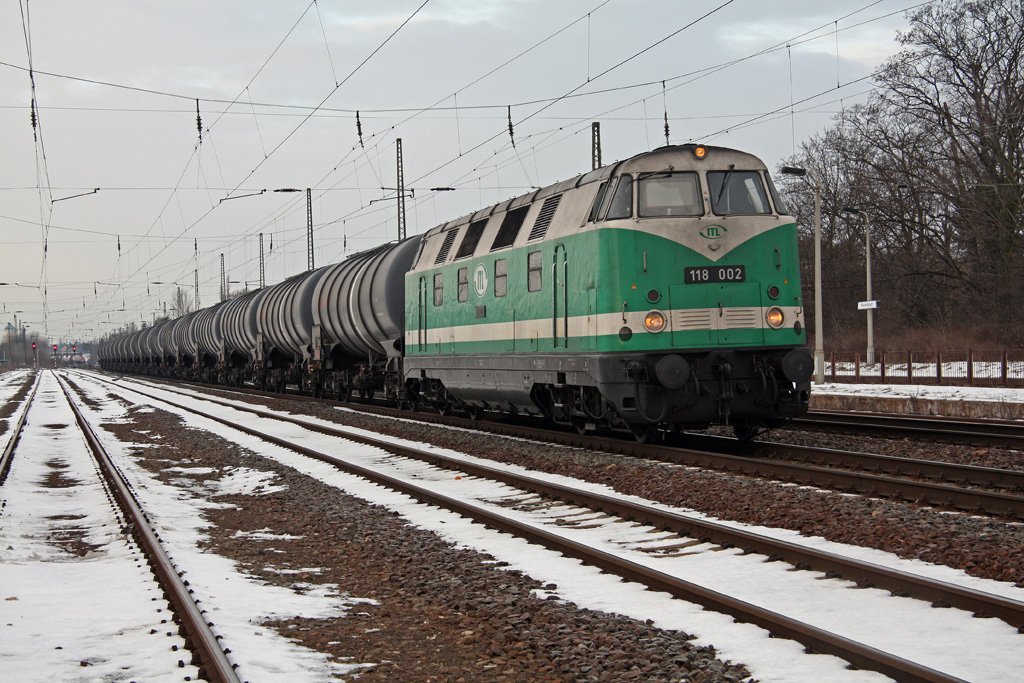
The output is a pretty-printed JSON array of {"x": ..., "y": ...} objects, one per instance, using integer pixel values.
[{"x": 662, "y": 291}]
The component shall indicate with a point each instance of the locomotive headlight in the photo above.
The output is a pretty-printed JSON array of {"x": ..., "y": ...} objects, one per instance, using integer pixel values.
[
  {"x": 775, "y": 317},
  {"x": 700, "y": 151},
  {"x": 654, "y": 321}
]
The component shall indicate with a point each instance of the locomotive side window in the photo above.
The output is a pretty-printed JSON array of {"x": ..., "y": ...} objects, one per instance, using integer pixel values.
[
  {"x": 669, "y": 194},
  {"x": 622, "y": 200},
  {"x": 598, "y": 200},
  {"x": 534, "y": 271},
  {"x": 471, "y": 239},
  {"x": 463, "y": 284},
  {"x": 737, "y": 192},
  {"x": 438, "y": 289},
  {"x": 500, "y": 277}
]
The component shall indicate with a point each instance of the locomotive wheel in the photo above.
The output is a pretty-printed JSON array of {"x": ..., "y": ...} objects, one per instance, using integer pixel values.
[{"x": 746, "y": 431}]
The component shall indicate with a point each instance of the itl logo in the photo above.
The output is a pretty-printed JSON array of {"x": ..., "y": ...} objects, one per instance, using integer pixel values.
[
  {"x": 713, "y": 232},
  {"x": 480, "y": 279}
]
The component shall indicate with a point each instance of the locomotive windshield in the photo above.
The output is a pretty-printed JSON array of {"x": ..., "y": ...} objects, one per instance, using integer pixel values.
[
  {"x": 670, "y": 194},
  {"x": 737, "y": 192}
]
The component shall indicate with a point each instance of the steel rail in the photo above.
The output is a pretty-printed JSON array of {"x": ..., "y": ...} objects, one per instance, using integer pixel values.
[
  {"x": 12, "y": 443},
  {"x": 867, "y": 483},
  {"x": 959, "y": 473},
  {"x": 864, "y": 573},
  {"x": 213, "y": 662},
  {"x": 816, "y": 639},
  {"x": 1001, "y": 433}
]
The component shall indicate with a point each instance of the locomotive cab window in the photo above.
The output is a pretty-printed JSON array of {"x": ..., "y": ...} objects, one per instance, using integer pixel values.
[
  {"x": 463, "y": 284},
  {"x": 780, "y": 207},
  {"x": 737, "y": 192},
  {"x": 500, "y": 277},
  {"x": 438, "y": 289},
  {"x": 622, "y": 200},
  {"x": 534, "y": 271},
  {"x": 598, "y": 201},
  {"x": 669, "y": 194}
]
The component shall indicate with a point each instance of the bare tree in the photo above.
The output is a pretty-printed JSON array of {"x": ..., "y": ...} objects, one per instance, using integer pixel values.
[
  {"x": 181, "y": 303},
  {"x": 936, "y": 157}
]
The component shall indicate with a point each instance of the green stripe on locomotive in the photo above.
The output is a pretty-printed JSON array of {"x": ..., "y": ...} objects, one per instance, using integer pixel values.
[{"x": 609, "y": 274}]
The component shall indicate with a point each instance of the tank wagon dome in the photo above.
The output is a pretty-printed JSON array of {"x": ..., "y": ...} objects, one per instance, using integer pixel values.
[
  {"x": 360, "y": 302},
  {"x": 284, "y": 316},
  {"x": 238, "y": 323}
]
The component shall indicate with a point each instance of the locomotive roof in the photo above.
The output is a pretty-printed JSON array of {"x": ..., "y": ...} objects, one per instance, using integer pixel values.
[{"x": 671, "y": 157}]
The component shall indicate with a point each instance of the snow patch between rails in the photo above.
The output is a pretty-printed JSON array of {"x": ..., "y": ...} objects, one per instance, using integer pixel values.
[{"x": 246, "y": 482}]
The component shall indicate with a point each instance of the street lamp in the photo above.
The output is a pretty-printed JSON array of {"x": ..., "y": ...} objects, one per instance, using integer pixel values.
[
  {"x": 819, "y": 337},
  {"x": 870, "y": 303}
]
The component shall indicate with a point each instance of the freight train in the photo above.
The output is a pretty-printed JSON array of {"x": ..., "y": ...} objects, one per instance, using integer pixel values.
[{"x": 661, "y": 292}]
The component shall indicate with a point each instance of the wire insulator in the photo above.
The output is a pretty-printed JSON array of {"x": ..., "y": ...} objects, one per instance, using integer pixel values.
[
  {"x": 664, "y": 102},
  {"x": 359, "y": 129},
  {"x": 199, "y": 122},
  {"x": 511, "y": 132}
]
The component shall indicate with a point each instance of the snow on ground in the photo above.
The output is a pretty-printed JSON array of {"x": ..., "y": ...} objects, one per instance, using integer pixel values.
[
  {"x": 948, "y": 640},
  {"x": 65, "y": 616},
  {"x": 932, "y": 392},
  {"x": 56, "y": 621},
  {"x": 237, "y": 602}
]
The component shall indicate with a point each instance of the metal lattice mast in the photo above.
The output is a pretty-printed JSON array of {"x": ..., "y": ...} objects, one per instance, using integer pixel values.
[
  {"x": 195, "y": 271},
  {"x": 263, "y": 282},
  {"x": 223, "y": 280},
  {"x": 309, "y": 229},
  {"x": 401, "y": 192},
  {"x": 595, "y": 144}
]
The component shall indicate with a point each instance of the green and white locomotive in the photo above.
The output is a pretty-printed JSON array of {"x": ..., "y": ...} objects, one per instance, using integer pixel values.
[{"x": 662, "y": 291}]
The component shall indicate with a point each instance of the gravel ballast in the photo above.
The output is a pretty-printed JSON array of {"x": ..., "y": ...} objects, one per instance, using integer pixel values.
[{"x": 442, "y": 613}]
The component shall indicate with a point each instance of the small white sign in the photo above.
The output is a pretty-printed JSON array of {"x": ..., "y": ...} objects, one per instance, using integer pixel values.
[{"x": 865, "y": 305}]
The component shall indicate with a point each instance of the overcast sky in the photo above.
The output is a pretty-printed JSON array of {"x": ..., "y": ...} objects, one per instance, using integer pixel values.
[{"x": 278, "y": 84}]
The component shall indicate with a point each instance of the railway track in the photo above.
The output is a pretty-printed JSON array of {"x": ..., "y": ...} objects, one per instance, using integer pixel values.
[
  {"x": 208, "y": 655},
  {"x": 817, "y": 639},
  {"x": 991, "y": 433},
  {"x": 953, "y": 486}
]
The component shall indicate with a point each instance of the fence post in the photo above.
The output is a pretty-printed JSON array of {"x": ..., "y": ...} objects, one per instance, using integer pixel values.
[
  {"x": 970, "y": 368},
  {"x": 832, "y": 357},
  {"x": 1006, "y": 369},
  {"x": 856, "y": 367},
  {"x": 910, "y": 367},
  {"x": 881, "y": 362},
  {"x": 938, "y": 367}
]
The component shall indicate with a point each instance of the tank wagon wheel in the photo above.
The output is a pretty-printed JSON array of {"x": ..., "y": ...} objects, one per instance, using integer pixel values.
[{"x": 644, "y": 433}]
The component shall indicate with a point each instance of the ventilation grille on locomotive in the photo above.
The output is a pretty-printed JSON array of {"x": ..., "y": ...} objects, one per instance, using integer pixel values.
[
  {"x": 547, "y": 212},
  {"x": 446, "y": 246}
]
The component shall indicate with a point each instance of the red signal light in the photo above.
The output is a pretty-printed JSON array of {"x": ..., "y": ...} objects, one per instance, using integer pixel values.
[
  {"x": 55, "y": 348},
  {"x": 74, "y": 349},
  {"x": 33, "y": 346}
]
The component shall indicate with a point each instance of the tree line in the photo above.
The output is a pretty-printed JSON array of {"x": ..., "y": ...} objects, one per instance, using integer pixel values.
[{"x": 935, "y": 162}]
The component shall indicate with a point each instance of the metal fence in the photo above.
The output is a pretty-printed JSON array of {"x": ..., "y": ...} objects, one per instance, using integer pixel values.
[{"x": 982, "y": 367}]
